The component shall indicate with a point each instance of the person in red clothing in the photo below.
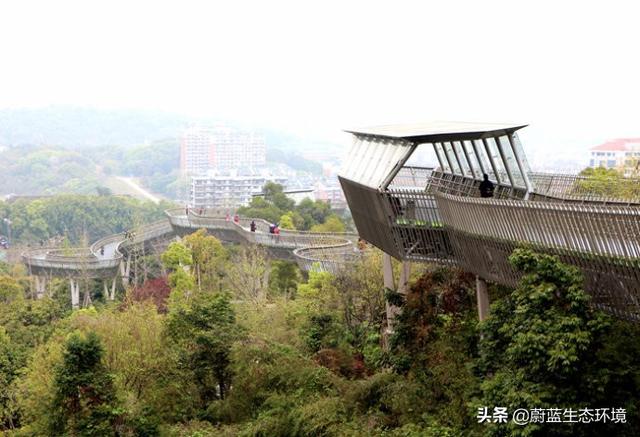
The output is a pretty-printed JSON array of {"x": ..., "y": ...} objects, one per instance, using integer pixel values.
[{"x": 236, "y": 219}]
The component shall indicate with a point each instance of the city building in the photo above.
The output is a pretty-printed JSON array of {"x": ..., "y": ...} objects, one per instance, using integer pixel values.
[
  {"x": 228, "y": 189},
  {"x": 622, "y": 154},
  {"x": 332, "y": 194},
  {"x": 220, "y": 148},
  {"x": 196, "y": 151}
]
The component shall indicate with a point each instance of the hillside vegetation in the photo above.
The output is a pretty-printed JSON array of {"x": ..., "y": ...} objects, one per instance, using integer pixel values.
[{"x": 233, "y": 343}]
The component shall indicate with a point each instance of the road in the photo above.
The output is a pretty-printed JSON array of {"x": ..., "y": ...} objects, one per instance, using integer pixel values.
[{"x": 133, "y": 184}]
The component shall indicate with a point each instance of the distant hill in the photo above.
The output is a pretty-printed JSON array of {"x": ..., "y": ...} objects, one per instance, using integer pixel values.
[
  {"x": 78, "y": 127},
  {"x": 75, "y": 127}
]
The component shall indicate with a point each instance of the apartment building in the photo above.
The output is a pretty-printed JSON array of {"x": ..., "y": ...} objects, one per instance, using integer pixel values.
[
  {"x": 220, "y": 148},
  {"x": 228, "y": 189},
  {"x": 622, "y": 154}
]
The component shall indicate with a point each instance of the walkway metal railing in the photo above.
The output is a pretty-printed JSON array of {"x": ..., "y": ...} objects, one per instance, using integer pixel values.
[
  {"x": 88, "y": 258},
  {"x": 329, "y": 249},
  {"x": 604, "y": 230}
]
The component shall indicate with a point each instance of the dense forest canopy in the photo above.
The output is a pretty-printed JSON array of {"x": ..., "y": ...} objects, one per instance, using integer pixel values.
[
  {"x": 216, "y": 340},
  {"x": 75, "y": 217}
]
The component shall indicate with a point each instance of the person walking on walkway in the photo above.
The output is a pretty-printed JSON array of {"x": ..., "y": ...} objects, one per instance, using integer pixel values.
[
  {"x": 253, "y": 226},
  {"x": 236, "y": 219},
  {"x": 486, "y": 187}
]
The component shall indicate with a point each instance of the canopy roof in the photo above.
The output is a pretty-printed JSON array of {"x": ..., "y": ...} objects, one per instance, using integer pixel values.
[{"x": 438, "y": 131}]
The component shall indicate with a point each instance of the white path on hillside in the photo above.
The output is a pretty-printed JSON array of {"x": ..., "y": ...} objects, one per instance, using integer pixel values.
[{"x": 133, "y": 184}]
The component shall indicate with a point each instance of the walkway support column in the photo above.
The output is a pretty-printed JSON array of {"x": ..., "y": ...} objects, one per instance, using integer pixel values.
[
  {"x": 390, "y": 283},
  {"x": 41, "y": 286},
  {"x": 125, "y": 269},
  {"x": 75, "y": 293},
  {"x": 482, "y": 296},
  {"x": 112, "y": 295}
]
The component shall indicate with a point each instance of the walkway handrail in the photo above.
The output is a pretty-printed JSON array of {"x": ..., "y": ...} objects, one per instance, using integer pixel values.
[
  {"x": 303, "y": 243},
  {"x": 605, "y": 230},
  {"x": 58, "y": 258}
]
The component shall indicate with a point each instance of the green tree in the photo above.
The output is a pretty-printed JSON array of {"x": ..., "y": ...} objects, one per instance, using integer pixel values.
[
  {"x": 540, "y": 349},
  {"x": 204, "y": 331},
  {"x": 332, "y": 224},
  {"x": 274, "y": 194},
  {"x": 9, "y": 366},
  {"x": 286, "y": 221},
  {"x": 84, "y": 402},
  {"x": 209, "y": 258},
  {"x": 178, "y": 259},
  {"x": 608, "y": 183},
  {"x": 284, "y": 278}
]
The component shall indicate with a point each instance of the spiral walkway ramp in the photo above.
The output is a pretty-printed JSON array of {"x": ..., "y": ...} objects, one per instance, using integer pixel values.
[
  {"x": 324, "y": 251},
  {"x": 110, "y": 257}
]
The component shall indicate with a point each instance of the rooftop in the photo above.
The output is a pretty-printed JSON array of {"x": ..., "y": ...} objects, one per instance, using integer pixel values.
[
  {"x": 618, "y": 145},
  {"x": 439, "y": 131}
]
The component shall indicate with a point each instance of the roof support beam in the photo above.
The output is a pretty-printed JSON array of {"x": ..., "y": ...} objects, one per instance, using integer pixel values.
[
  {"x": 478, "y": 157},
  {"x": 466, "y": 156},
  {"x": 401, "y": 162},
  {"x": 455, "y": 153},
  {"x": 446, "y": 155},
  {"x": 504, "y": 161},
  {"x": 523, "y": 171},
  {"x": 435, "y": 149},
  {"x": 493, "y": 164}
]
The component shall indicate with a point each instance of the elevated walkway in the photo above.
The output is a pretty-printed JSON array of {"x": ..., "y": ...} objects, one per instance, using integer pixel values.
[
  {"x": 325, "y": 251},
  {"x": 426, "y": 214},
  {"x": 311, "y": 250}
]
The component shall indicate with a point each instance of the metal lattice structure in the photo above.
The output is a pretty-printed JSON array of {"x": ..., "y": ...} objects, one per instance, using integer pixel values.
[{"x": 419, "y": 214}]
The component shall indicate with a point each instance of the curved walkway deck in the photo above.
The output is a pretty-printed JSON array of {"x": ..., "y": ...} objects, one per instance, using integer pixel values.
[
  {"x": 311, "y": 250},
  {"x": 326, "y": 251}
]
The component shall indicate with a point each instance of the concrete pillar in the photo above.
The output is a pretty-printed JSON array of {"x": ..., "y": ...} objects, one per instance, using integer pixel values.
[
  {"x": 125, "y": 268},
  {"x": 405, "y": 273},
  {"x": 387, "y": 271},
  {"x": 482, "y": 296},
  {"x": 86, "y": 302},
  {"x": 41, "y": 286},
  {"x": 112, "y": 295},
  {"x": 389, "y": 282},
  {"x": 75, "y": 293}
]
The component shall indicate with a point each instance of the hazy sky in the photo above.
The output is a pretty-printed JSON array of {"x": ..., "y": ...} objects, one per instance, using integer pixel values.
[{"x": 322, "y": 66}]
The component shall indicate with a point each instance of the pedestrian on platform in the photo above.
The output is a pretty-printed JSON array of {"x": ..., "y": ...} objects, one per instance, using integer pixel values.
[{"x": 486, "y": 187}]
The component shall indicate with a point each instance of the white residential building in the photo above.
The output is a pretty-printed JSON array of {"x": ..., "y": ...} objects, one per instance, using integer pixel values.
[
  {"x": 622, "y": 154},
  {"x": 220, "y": 148},
  {"x": 228, "y": 189}
]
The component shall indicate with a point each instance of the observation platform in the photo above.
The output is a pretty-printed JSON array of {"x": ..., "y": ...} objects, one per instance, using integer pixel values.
[{"x": 436, "y": 214}]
